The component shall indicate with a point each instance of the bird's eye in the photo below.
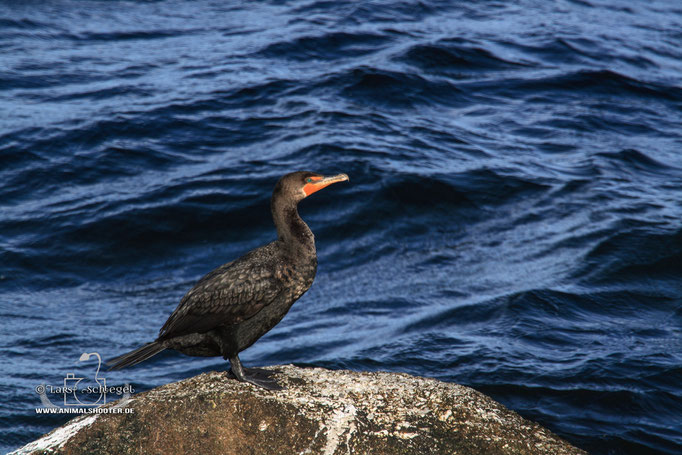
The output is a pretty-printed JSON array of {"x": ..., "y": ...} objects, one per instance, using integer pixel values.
[{"x": 309, "y": 180}]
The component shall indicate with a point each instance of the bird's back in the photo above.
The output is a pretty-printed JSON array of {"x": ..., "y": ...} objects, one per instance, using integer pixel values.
[{"x": 239, "y": 290}]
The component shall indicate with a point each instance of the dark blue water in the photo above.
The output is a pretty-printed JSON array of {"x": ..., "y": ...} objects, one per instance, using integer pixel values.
[{"x": 513, "y": 221}]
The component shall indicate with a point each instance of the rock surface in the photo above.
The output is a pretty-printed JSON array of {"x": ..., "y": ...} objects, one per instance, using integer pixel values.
[{"x": 320, "y": 412}]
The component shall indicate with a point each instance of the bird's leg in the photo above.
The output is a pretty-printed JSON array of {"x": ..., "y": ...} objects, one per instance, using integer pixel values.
[{"x": 241, "y": 374}]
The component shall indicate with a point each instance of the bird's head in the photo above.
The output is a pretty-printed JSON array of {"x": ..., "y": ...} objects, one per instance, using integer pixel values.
[{"x": 299, "y": 185}]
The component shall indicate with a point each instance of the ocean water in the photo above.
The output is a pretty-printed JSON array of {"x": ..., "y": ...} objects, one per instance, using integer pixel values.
[{"x": 512, "y": 223}]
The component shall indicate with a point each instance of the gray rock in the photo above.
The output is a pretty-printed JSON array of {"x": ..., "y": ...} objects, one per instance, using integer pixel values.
[{"x": 320, "y": 412}]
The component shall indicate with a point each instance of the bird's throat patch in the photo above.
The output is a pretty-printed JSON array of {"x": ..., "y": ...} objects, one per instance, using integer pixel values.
[{"x": 310, "y": 188}]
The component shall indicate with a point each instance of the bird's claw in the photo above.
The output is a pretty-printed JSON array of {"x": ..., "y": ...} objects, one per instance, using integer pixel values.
[{"x": 258, "y": 377}]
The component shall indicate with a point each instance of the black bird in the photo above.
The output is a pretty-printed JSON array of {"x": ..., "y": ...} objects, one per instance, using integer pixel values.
[{"x": 237, "y": 303}]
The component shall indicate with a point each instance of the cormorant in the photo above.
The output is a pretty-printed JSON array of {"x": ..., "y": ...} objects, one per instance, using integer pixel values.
[{"x": 234, "y": 305}]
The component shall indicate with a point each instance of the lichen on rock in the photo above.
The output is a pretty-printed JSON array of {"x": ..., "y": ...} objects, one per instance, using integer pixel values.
[{"x": 320, "y": 412}]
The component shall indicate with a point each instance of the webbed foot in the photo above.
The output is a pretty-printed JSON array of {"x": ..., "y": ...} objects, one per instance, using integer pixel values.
[{"x": 256, "y": 376}]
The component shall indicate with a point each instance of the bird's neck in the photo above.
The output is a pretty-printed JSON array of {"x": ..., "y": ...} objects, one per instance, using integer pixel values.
[{"x": 291, "y": 229}]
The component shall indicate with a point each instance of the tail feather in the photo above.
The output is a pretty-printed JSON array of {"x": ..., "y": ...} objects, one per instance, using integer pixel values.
[{"x": 136, "y": 356}]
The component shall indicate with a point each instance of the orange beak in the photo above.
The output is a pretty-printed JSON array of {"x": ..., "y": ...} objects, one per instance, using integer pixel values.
[{"x": 322, "y": 182}]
